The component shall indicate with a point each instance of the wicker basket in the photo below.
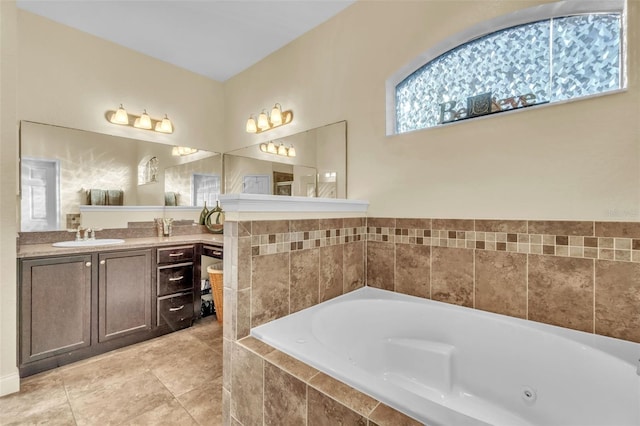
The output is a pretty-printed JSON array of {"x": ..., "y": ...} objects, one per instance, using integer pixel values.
[{"x": 215, "y": 278}]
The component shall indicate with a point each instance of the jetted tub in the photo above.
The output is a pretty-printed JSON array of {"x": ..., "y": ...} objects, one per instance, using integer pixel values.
[{"x": 448, "y": 365}]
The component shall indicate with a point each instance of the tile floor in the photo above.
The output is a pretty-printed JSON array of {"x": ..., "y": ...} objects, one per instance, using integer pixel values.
[{"x": 175, "y": 379}]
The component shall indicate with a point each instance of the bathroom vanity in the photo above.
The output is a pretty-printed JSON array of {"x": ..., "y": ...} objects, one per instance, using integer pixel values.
[{"x": 79, "y": 302}]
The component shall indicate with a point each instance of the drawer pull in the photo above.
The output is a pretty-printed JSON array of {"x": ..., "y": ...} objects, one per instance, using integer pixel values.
[
  {"x": 175, "y": 254},
  {"x": 176, "y": 309},
  {"x": 176, "y": 278},
  {"x": 87, "y": 264}
]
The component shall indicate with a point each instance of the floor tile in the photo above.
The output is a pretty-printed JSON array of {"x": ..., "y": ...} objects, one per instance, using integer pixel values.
[
  {"x": 169, "y": 414},
  {"x": 205, "y": 403}
]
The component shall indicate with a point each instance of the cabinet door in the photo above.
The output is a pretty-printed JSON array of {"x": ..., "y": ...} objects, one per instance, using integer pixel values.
[
  {"x": 55, "y": 306},
  {"x": 124, "y": 293}
]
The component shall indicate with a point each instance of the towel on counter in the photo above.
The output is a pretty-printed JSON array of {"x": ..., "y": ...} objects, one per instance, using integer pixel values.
[
  {"x": 170, "y": 199},
  {"x": 115, "y": 197},
  {"x": 97, "y": 197}
]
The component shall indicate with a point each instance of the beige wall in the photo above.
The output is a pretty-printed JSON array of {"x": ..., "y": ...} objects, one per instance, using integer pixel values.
[
  {"x": 572, "y": 161},
  {"x": 8, "y": 201},
  {"x": 71, "y": 79}
]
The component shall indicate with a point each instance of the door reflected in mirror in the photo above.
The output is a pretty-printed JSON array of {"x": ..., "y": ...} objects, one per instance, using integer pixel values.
[
  {"x": 318, "y": 168},
  {"x": 63, "y": 169}
]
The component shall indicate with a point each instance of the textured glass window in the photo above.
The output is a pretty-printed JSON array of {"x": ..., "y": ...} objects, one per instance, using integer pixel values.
[{"x": 539, "y": 62}]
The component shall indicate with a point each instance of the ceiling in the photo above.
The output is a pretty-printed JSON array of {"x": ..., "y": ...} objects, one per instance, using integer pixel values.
[{"x": 214, "y": 38}]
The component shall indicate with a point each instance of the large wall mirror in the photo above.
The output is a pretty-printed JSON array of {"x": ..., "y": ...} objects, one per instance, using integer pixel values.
[
  {"x": 63, "y": 169},
  {"x": 318, "y": 168}
]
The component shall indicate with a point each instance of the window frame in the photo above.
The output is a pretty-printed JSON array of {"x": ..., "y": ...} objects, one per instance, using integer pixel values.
[{"x": 484, "y": 28}]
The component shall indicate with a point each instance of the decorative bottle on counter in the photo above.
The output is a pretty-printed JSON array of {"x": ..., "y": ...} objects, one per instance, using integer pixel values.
[
  {"x": 215, "y": 219},
  {"x": 203, "y": 214}
]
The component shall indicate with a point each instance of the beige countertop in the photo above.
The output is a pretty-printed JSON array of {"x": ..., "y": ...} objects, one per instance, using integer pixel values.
[{"x": 39, "y": 250}]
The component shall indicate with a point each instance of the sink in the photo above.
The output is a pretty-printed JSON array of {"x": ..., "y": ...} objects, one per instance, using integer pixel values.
[{"x": 89, "y": 243}]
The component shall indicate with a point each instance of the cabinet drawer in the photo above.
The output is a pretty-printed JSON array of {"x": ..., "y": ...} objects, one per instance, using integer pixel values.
[
  {"x": 175, "y": 279},
  {"x": 173, "y": 311},
  {"x": 175, "y": 254}
]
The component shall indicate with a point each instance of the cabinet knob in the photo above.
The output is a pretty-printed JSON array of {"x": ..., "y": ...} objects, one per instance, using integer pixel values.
[
  {"x": 87, "y": 264},
  {"x": 102, "y": 262}
]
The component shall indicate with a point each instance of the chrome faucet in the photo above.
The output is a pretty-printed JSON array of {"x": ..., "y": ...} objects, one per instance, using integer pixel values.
[{"x": 92, "y": 234}]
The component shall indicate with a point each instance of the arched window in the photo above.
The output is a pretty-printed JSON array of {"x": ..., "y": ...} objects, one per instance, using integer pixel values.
[{"x": 539, "y": 61}]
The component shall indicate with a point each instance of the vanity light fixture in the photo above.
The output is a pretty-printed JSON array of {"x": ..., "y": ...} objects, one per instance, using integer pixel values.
[
  {"x": 181, "y": 151},
  {"x": 142, "y": 121},
  {"x": 282, "y": 150},
  {"x": 269, "y": 121}
]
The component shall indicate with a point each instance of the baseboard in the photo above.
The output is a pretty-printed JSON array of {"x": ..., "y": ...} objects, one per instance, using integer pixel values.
[{"x": 9, "y": 383}]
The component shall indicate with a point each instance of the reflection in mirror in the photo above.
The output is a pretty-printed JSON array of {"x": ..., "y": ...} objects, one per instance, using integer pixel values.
[
  {"x": 63, "y": 168},
  {"x": 318, "y": 168}
]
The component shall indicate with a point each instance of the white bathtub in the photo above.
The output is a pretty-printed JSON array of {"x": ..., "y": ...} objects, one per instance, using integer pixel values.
[{"x": 447, "y": 365}]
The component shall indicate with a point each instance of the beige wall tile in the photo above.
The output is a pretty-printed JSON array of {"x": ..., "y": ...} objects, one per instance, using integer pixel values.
[
  {"x": 560, "y": 227},
  {"x": 452, "y": 275},
  {"x": 298, "y": 369},
  {"x": 243, "y": 313},
  {"x": 331, "y": 223},
  {"x": 247, "y": 386},
  {"x": 261, "y": 227},
  {"x": 301, "y": 225},
  {"x": 305, "y": 278},
  {"x": 380, "y": 265},
  {"x": 413, "y": 270},
  {"x": 413, "y": 223},
  {"x": 244, "y": 263},
  {"x": 507, "y": 226},
  {"x": 453, "y": 224},
  {"x": 244, "y": 229},
  {"x": 354, "y": 222},
  {"x": 353, "y": 266},
  {"x": 331, "y": 276},
  {"x": 344, "y": 394},
  {"x": 501, "y": 282},
  {"x": 270, "y": 288},
  {"x": 381, "y": 222},
  {"x": 383, "y": 415},
  {"x": 617, "y": 229},
  {"x": 285, "y": 398},
  {"x": 618, "y": 299},
  {"x": 325, "y": 411},
  {"x": 561, "y": 291}
]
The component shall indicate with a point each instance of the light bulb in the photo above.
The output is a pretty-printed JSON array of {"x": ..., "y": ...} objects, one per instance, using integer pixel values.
[
  {"x": 282, "y": 150},
  {"x": 120, "y": 116},
  {"x": 291, "y": 152},
  {"x": 271, "y": 148},
  {"x": 276, "y": 115},
  {"x": 251, "y": 125},
  {"x": 263, "y": 121},
  {"x": 143, "y": 122},
  {"x": 164, "y": 126}
]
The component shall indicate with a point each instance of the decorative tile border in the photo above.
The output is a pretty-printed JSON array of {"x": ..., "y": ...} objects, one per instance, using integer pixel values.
[
  {"x": 264, "y": 244},
  {"x": 590, "y": 247}
]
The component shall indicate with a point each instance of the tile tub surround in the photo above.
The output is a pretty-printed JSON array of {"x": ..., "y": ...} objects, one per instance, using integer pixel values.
[
  {"x": 576, "y": 274},
  {"x": 274, "y": 268},
  {"x": 580, "y": 275},
  {"x": 276, "y": 389}
]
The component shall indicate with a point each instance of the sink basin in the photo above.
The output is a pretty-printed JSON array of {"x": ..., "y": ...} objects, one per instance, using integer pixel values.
[{"x": 89, "y": 243}]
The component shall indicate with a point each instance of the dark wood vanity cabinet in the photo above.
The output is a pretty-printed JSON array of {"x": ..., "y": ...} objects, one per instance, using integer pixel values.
[
  {"x": 76, "y": 306},
  {"x": 124, "y": 293},
  {"x": 55, "y": 306},
  {"x": 175, "y": 286}
]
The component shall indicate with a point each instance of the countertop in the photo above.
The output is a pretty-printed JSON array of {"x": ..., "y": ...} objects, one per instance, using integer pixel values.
[{"x": 39, "y": 250}]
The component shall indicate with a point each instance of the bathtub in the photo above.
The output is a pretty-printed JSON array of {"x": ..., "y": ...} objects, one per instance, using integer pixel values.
[{"x": 448, "y": 365}]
